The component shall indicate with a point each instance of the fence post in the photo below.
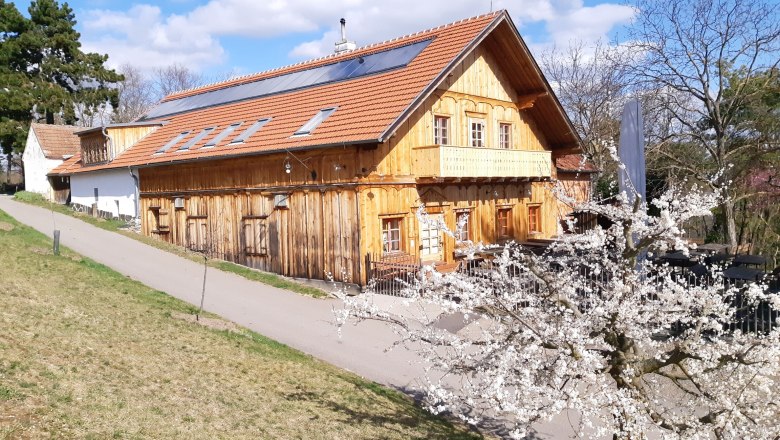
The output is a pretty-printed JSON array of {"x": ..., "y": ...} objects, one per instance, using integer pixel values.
[{"x": 56, "y": 245}]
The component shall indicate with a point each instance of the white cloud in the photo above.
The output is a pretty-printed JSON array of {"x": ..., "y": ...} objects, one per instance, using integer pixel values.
[{"x": 143, "y": 35}]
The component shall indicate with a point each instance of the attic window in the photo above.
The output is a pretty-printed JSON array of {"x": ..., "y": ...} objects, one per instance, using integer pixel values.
[
  {"x": 225, "y": 133},
  {"x": 173, "y": 142},
  {"x": 250, "y": 131},
  {"x": 197, "y": 138},
  {"x": 315, "y": 121}
]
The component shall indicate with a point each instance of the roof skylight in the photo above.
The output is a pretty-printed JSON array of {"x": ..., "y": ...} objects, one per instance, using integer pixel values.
[
  {"x": 197, "y": 138},
  {"x": 315, "y": 121},
  {"x": 252, "y": 129},
  {"x": 173, "y": 142},
  {"x": 225, "y": 133}
]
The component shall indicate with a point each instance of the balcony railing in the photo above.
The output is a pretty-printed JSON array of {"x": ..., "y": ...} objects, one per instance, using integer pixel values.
[{"x": 470, "y": 162}]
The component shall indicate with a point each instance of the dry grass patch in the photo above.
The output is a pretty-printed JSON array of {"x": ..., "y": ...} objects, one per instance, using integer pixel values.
[{"x": 87, "y": 353}]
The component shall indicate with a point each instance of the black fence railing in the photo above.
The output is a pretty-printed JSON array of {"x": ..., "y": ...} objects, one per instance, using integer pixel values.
[{"x": 396, "y": 274}]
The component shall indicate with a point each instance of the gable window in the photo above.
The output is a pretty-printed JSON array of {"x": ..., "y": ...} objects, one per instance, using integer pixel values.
[
  {"x": 462, "y": 233},
  {"x": 391, "y": 235},
  {"x": 505, "y": 135},
  {"x": 441, "y": 130},
  {"x": 504, "y": 222},
  {"x": 534, "y": 218},
  {"x": 315, "y": 121},
  {"x": 477, "y": 132},
  {"x": 255, "y": 235}
]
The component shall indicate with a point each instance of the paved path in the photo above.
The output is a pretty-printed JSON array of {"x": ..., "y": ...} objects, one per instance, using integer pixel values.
[{"x": 301, "y": 322}]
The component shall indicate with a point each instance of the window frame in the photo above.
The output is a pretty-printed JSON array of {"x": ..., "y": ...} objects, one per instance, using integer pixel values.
[
  {"x": 503, "y": 222},
  {"x": 259, "y": 242},
  {"x": 386, "y": 221},
  {"x": 505, "y": 140},
  {"x": 459, "y": 213},
  {"x": 535, "y": 213},
  {"x": 438, "y": 137},
  {"x": 480, "y": 140},
  {"x": 160, "y": 219}
]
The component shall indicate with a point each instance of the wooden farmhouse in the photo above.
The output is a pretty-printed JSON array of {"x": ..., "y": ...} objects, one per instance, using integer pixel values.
[{"x": 306, "y": 170}]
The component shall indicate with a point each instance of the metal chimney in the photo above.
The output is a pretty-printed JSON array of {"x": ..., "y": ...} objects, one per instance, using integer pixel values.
[{"x": 344, "y": 45}]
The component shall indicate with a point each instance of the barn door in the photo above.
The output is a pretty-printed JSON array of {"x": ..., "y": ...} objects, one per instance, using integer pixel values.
[{"x": 430, "y": 238}]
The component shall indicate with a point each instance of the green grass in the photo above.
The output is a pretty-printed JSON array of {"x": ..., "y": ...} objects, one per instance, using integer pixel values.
[
  {"x": 120, "y": 227},
  {"x": 88, "y": 353}
]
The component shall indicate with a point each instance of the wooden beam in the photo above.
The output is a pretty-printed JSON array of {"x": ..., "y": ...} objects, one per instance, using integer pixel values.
[{"x": 525, "y": 102}]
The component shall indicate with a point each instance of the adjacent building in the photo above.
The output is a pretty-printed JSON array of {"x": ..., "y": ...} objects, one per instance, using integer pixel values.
[{"x": 47, "y": 147}]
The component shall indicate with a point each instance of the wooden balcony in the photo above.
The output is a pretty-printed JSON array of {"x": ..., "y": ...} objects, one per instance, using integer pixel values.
[{"x": 447, "y": 161}]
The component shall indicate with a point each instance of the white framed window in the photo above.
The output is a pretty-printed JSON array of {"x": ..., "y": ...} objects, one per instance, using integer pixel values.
[
  {"x": 477, "y": 132},
  {"x": 462, "y": 234},
  {"x": 505, "y": 135},
  {"x": 391, "y": 235},
  {"x": 441, "y": 130}
]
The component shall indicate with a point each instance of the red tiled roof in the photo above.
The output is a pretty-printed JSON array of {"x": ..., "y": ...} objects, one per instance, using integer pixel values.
[
  {"x": 67, "y": 167},
  {"x": 57, "y": 140},
  {"x": 368, "y": 107},
  {"x": 575, "y": 163}
]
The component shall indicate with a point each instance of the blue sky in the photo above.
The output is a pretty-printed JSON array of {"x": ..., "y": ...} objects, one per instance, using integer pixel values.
[{"x": 218, "y": 37}]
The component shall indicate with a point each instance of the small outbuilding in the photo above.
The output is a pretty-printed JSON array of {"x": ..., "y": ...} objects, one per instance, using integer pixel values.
[{"x": 48, "y": 146}]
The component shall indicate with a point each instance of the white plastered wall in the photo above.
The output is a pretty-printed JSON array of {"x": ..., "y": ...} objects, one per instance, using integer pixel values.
[
  {"x": 36, "y": 165},
  {"x": 116, "y": 191}
]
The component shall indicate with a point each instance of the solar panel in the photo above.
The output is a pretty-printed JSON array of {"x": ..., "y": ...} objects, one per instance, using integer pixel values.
[
  {"x": 172, "y": 142},
  {"x": 197, "y": 138},
  {"x": 339, "y": 71},
  {"x": 252, "y": 129},
  {"x": 315, "y": 121},
  {"x": 225, "y": 133}
]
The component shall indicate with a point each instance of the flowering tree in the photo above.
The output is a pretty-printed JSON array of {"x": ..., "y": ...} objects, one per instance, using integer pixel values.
[{"x": 594, "y": 326}]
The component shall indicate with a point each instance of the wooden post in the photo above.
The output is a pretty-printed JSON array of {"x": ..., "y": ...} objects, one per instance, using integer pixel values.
[
  {"x": 94, "y": 210},
  {"x": 56, "y": 242}
]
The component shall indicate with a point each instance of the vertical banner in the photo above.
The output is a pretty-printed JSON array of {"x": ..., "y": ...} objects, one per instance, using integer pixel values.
[{"x": 632, "y": 178}]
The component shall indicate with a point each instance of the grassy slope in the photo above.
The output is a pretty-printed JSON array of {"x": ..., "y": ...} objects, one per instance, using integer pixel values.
[
  {"x": 117, "y": 225},
  {"x": 88, "y": 353}
]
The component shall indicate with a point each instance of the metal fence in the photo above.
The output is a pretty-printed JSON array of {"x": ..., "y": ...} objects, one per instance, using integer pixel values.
[
  {"x": 395, "y": 274},
  {"x": 392, "y": 274}
]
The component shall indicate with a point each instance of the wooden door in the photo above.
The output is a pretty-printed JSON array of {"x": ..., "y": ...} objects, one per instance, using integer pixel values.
[{"x": 430, "y": 239}]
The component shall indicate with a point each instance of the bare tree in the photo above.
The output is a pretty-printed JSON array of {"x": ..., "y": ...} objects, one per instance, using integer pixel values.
[
  {"x": 174, "y": 78},
  {"x": 702, "y": 59},
  {"x": 591, "y": 84},
  {"x": 136, "y": 95}
]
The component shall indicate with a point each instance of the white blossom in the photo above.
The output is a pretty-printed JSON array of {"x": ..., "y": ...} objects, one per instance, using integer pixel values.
[{"x": 594, "y": 327}]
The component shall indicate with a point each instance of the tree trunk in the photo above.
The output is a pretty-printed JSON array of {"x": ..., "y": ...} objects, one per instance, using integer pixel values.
[{"x": 730, "y": 224}]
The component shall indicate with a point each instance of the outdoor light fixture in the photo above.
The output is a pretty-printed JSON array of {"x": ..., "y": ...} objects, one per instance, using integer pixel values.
[{"x": 287, "y": 166}]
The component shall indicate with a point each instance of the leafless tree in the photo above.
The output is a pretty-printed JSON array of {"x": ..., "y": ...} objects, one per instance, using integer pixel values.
[
  {"x": 591, "y": 84},
  {"x": 136, "y": 95},
  {"x": 174, "y": 78},
  {"x": 701, "y": 60}
]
